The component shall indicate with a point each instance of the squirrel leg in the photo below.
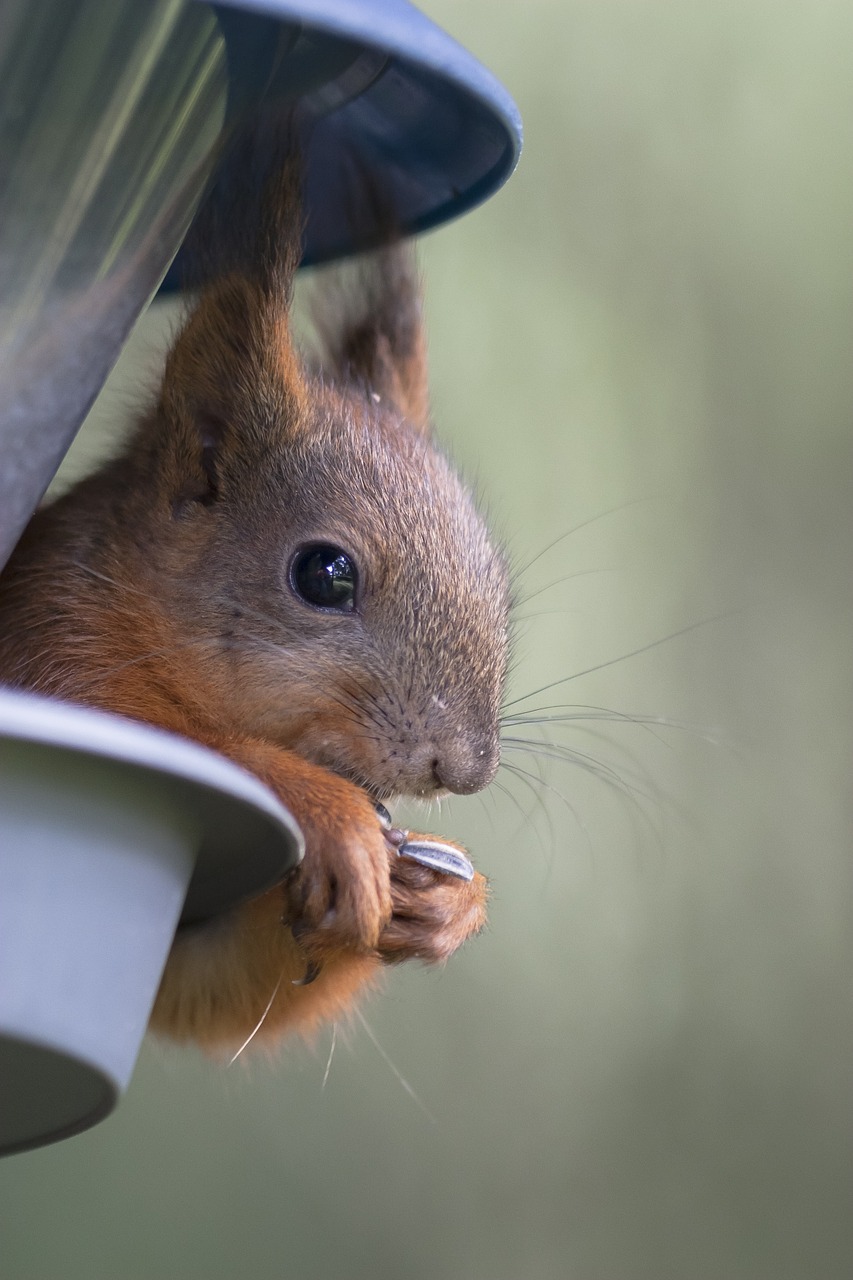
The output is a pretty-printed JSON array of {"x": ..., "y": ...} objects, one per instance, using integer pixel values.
[
  {"x": 326, "y": 917},
  {"x": 236, "y": 977},
  {"x": 298, "y": 955}
]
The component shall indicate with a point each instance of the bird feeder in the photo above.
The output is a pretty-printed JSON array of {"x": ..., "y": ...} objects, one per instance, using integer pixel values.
[{"x": 116, "y": 118}]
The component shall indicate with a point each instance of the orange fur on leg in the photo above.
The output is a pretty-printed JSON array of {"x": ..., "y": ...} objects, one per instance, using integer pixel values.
[{"x": 353, "y": 904}]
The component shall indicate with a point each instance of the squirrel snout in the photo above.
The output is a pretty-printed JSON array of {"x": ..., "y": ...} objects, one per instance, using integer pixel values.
[{"x": 463, "y": 767}]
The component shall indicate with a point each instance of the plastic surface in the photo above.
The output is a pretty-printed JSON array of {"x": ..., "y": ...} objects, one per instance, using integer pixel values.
[
  {"x": 110, "y": 111},
  {"x": 375, "y": 80},
  {"x": 232, "y": 809},
  {"x": 104, "y": 826}
]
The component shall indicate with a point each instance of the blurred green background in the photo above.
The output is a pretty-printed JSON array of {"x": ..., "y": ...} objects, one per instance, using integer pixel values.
[{"x": 643, "y": 1068}]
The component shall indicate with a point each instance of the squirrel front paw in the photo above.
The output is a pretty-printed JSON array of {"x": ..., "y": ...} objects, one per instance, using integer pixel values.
[
  {"x": 339, "y": 898},
  {"x": 433, "y": 913}
]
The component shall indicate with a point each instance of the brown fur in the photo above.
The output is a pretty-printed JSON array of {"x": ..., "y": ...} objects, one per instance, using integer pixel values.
[{"x": 159, "y": 588}]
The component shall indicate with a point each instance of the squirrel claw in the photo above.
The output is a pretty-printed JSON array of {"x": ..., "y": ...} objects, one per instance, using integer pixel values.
[
  {"x": 298, "y": 929},
  {"x": 394, "y": 835},
  {"x": 312, "y": 971},
  {"x": 383, "y": 815}
]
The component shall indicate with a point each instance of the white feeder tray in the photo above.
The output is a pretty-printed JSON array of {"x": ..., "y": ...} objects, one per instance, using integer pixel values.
[{"x": 111, "y": 833}]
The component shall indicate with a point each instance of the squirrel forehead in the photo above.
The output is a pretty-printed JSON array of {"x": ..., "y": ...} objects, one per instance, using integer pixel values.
[{"x": 392, "y": 490}]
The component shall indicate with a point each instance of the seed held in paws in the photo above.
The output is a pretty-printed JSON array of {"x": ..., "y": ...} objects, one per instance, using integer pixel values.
[
  {"x": 429, "y": 852},
  {"x": 439, "y": 856}
]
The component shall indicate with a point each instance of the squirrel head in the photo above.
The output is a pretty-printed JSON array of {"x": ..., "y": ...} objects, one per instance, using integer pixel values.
[{"x": 345, "y": 597}]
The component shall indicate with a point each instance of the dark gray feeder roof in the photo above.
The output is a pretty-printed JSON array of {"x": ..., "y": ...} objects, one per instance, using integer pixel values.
[{"x": 374, "y": 79}]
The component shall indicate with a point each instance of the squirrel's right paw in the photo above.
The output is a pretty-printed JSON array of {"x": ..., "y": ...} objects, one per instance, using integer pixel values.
[{"x": 339, "y": 898}]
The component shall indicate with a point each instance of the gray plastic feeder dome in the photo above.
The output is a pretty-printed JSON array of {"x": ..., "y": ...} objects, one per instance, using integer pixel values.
[{"x": 376, "y": 79}]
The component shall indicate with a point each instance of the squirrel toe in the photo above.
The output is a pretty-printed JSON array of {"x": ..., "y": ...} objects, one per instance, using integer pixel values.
[{"x": 433, "y": 913}]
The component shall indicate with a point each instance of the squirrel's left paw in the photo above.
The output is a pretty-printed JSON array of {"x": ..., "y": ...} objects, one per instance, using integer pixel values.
[{"x": 433, "y": 912}]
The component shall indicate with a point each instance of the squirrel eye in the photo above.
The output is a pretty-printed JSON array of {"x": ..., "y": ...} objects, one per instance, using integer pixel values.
[{"x": 324, "y": 576}]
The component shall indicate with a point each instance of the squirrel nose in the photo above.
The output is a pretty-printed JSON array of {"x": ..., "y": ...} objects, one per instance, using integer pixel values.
[{"x": 463, "y": 767}]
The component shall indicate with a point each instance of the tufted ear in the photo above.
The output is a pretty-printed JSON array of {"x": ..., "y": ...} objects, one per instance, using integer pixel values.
[
  {"x": 370, "y": 324},
  {"x": 234, "y": 355},
  {"x": 233, "y": 381},
  {"x": 233, "y": 388}
]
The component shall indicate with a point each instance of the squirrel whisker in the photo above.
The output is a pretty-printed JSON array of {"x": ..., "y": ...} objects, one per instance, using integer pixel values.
[
  {"x": 332, "y": 1047},
  {"x": 148, "y": 656},
  {"x": 568, "y": 755},
  {"x": 610, "y": 662},
  {"x": 580, "y": 713},
  {"x": 112, "y": 582},
  {"x": 522, "y": 600},
  {"x": 537, "y": 780},
  {"x": 250, "y": 1037},
  {"x": 520, "y": 570}
]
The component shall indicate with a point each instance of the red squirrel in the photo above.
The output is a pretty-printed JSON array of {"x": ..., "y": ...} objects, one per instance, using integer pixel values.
[{"x": 282, "y": 565}]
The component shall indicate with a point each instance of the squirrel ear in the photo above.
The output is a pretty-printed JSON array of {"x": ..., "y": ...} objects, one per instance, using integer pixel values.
[
  {"x": 233, "y": 384},
  {"x": 235, "y": 352},
  {"x": 197, "y": 479},
  {"x": 369, "y": 321}
]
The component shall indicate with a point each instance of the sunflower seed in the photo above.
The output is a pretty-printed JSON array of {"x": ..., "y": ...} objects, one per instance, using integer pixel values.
[{"x": 440, "y": 857}]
